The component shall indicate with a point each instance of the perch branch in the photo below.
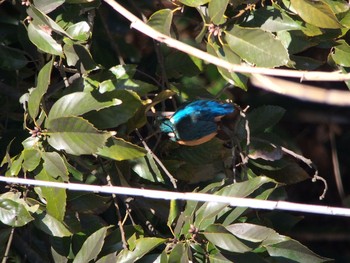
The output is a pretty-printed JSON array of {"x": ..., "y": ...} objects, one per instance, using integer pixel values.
[{"x": 167, "y": 195}]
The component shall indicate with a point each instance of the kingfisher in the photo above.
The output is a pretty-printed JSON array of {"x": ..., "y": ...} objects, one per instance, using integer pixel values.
[{"x": 195, "y": 123}]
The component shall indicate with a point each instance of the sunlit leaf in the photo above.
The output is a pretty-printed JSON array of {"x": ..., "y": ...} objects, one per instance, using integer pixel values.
[
  {"x": 51, "y": 225},
  {"x": 41, "y": 19},
  {"x": 146, "y": 168},
  {"x": 341, "y": 53},
  {"x": 43, "y": 40},
  {"x": 31, "y": 159},
  {"x": 222, "y": 238},
  {"x": 119, "y": 149},
  {"x": 256, "y": 46},
  {"x": 225, "y": 53},
  {"x": 295, "y": 251},
  {"x": 194, "y": 3},
  {"x": 77, "y": 55},
  {"x": 75, "y": 135},
  {"x": 179, "y": 253},
  {"x": 46, "y": 6},
  {"x": 55, "y": 197},
  {"x": 256, "y": 233},
  {"x": 208, "y": 211},
  {"x": 113, "y": 116},
  {"x": 55, "y": 165},
  {"x": 142, "y": 247},
  {"x": 78, "y": 103},
  {"x": 216, "y": 11},
  {"x": 92, "y": 246},
  {"x": 317, "y": 13},
  {"x": 161, "y": 21},
  {"x": 79, "y": 31},
  {"x": 272, "y": 19},
  {"x": 13, "y": 213},
  {"x": 36, "y": 95}
]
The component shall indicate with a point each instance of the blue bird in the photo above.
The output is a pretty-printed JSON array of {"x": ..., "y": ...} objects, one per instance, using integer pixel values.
[{"x": 196, "y": 122}]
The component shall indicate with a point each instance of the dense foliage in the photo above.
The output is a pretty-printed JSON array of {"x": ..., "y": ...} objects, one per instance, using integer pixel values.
[{"x": 81, "y": 94}]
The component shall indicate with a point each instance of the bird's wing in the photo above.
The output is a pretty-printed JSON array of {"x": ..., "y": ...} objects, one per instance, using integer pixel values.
[{"x": 188, "y": 130}]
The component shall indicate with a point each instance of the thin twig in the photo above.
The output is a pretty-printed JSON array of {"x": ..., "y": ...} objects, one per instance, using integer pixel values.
[
  {"x": 115, "y": 201},
  {"x": 168, "y": 195},
  {"x": 149, "y": 31},
  {"x": 335, "y": 162},
  {"x": 309, "y": 163},
  {"x": 171, "y": 178},
  {"x": 112, "y": 41},
  {"x": 119, "y": 216},
  {"x": 8, "y": 246}
]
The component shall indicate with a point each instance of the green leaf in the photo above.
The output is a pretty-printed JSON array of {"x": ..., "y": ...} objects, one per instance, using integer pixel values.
[
  {"x": 161, "y": 21},
  {"x": 146, "y": 168},
  {"x": 256, "y": 233},
  {"x": 31, "y": 159},
  {"x": 41, "y": 19},
  {"x": 207, "y": 213},
  {"x": 337, "y": 7},
  {"x": 78, "y": 103},
  {"x": 341, "y": 53},
  {"x": 205, "y": 153},
  {"x": 16, "y": 165},
  {"x": 290, "y": 173},
  {"x": 174, "y": 212},
  {"x": 263, "y": 118},
  {"x": 194, "y": 3},
  {"x": 79, "y": 56},
  {"x": 178, "y": 64},
  {"x": 225, "y": 53},
  {"x": 114, "y": 116},
  {"x": 222, "y": 238},
  {"x": 256, "y": 46},
  {"x": 43, "y": 40},
  {"x": 107, "y": 259},
  {"x": 75, "y": 135},
  {"x": 46, "y": 6},
  {"x": 51, "y": 225},
  {"x": 317, "y": 13},
  {"x": 238, "y": 211},
  {"x": 126, "y": 71},
  {"x": 36, "y": 95},
  {"x": 13, "y": 213},
  {"x": 12, "y": 58},
  {"x": 272, "y": 19},
  {"x": 138, "y": 86},
  {"x": 58, "y": 258},
  {"x": 79, "y": 31},
  {"x": 179, "y": 254},
  {"x": 92, "y": 246},
  {"x": 55, "y": 166},
  {"x": 119, "y": 149},
  {"x": 296, "y": 41},
  {"x": 55, "y": 197},
  {"x": 293, "y": 250},
  {"x": 216, "y": 10},
  {"x": 88, "y": 203},
  {"x": 142, "y": 247}
]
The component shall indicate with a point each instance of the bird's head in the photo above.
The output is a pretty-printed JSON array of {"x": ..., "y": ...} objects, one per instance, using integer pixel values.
[{"x": 166, "y": 126}]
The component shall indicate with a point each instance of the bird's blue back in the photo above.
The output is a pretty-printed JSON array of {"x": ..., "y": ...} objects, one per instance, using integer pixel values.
[{"x": 196, "y": 121}]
